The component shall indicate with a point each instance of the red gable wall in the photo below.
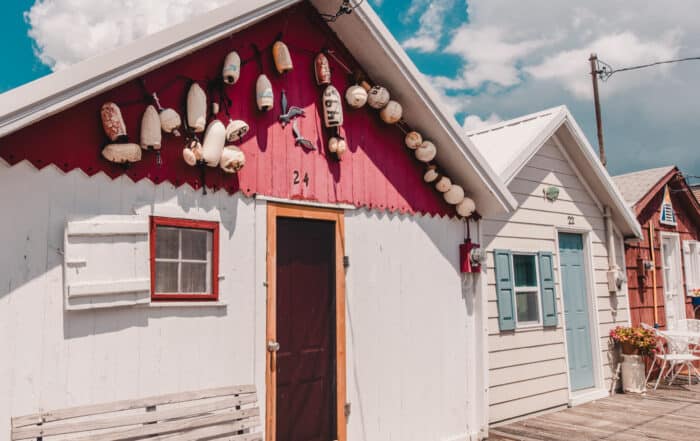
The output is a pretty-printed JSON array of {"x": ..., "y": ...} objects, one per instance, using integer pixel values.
[
  {"x": 640, "y": 283},
  {"x": 377, "y": 171}
]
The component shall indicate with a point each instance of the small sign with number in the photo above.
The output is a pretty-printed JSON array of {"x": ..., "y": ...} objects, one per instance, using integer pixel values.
[{"x": 298, "y": 179}]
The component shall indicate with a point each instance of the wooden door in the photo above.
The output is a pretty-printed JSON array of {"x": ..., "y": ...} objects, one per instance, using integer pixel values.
[
  {"x": 576, "y": 311},
  {"x": 305, "y": 330},
  {"x": 674, "y": 298},
  {"x": 305, "y": 396}
]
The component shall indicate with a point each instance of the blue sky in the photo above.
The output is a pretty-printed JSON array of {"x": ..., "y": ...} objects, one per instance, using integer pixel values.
[{"x": 490, "y": 59}]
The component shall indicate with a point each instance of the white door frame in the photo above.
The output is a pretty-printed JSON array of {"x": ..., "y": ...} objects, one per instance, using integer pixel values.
[
  {"x": 680, "y": 294},
  {"x": 598, "y": 390}
]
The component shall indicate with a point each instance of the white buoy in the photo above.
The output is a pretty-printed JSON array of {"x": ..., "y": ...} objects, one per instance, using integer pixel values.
[
  {"x": 112, "y": 122},
  {"x": 342, "y": 147},
  {"x": 333, "y": 144},
  {"x": 232, "y": 159},
  {"x": 196, "y": 108},
  {"x": 213, "y": 144},
  {"x": 431, "y": 174},
  {"x": 443, "y": 184},
  {"x": 356, "y": 96},
  {"x": 454, "y": 195},
  {"x": 170, "y": 121},
  {"x": 189, "y": 157},
  {"x": 236, "y": 129},
  {"x": 413, "y": 140},
  {"x": 332, "y": 107},
  {"x": 391, "y": 113},
  {"x": 426, "y": 152},
  {"x": 378, "y": 97},
  {"x": 122, "y": 152},
  {"x": 264, "y": 96},
  {"x": 150, "y": 129},
  {"x": 466, "y": 207},
  {"x": 232, "y": 68}
]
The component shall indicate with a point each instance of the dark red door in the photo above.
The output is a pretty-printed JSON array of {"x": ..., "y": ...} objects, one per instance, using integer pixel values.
[{"x": 305, "y": 330}]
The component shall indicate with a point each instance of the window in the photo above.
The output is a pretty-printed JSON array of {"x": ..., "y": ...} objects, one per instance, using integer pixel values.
[
  {"x": 184, "y": 259},
  {"x": 527, "y": 291},
  {"x": 691, "y": 263},
  {"x": 667, "y": 217}
]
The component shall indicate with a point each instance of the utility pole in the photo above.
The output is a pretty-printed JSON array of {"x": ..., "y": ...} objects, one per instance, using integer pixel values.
[{"x": 596, "y": 100}]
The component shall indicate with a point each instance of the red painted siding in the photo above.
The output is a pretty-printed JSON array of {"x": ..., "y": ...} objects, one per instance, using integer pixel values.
[
  {"x": 377, "y": 172},
  {"x": 640, "y": 283}
]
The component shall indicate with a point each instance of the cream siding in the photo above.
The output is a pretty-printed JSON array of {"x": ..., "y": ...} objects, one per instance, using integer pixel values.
[{"x": 527, "y": 368}]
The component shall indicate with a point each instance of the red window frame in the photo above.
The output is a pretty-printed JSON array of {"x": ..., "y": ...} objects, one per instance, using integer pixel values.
[{"x": 157, "y": 221}]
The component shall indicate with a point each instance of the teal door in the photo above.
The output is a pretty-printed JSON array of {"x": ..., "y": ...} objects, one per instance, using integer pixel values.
[{"x": 578, "y": 328}]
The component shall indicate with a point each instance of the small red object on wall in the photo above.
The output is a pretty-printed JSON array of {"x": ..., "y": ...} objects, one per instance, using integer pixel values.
[{"x": 470, "y": 257}]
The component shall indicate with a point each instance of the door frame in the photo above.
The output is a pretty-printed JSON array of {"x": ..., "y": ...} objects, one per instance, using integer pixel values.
[
  {"x": 679, "y": 273},
  {"x": 275, "y": 210},
  {"x": 598, "y": 390}
]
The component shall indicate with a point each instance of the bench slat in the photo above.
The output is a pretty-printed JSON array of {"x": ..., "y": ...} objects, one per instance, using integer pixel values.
[
  {"x": 80, "y": 411},
  {"x": 176, "y": 426},
  {"x": 215, "y": 431},
  {"x": 128, "y": 420}
]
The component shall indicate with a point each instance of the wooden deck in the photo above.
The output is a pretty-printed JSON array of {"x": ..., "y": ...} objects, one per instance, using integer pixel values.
[{"x": 670, "y": 413}]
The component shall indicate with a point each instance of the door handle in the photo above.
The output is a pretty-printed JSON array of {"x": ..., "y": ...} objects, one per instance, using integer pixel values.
[{"x": 273, "y": 346}]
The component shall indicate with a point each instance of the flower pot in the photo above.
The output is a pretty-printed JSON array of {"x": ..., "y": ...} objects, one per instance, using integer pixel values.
[
  {"x": 629, "y": 349},
  {"x": 633, "y": 374}
]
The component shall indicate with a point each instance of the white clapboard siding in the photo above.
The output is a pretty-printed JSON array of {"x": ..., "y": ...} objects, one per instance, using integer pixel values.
[
  {"x": 528, "y": 367},
  {"x": 107, "y": 261}
]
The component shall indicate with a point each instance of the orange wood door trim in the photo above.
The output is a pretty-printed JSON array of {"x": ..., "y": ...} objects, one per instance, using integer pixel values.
[{"x": 275, "y": 210}]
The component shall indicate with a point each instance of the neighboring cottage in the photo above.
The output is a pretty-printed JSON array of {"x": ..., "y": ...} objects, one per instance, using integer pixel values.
[
  {"x": 334, "y": 285},
  {"x": 695, "y": 188},
  {"x": 662, "y": 283},
  {"x": 555, "y": 266}
]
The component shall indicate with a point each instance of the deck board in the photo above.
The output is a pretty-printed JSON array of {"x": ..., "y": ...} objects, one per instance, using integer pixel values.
[{"x": 670, "y": 413}]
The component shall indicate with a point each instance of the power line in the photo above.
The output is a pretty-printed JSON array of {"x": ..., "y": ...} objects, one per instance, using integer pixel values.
[{"x": 605, "y": 71}]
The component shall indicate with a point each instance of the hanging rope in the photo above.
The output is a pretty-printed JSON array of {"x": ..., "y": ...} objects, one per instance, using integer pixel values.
[{"x": 346, "y": 8}]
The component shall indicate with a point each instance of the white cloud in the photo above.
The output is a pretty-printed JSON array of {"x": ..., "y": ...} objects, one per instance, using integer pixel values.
[
  {"x": 474, "y": 122},
  {"x": 67, "y": 31},
  {"x": 431, "y": 24}
]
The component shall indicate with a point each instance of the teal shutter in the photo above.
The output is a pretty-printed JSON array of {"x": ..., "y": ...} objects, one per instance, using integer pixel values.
[
  {"x": 505, "y": 294},
  {"x": 549, "y": 295}
]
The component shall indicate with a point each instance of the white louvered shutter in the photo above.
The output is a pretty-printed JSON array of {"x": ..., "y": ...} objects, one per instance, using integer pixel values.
[{"x": 106, "y": 262}]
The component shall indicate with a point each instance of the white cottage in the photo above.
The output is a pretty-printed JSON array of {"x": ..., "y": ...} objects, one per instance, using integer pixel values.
[
  {"x": 330, "y": 283},
  {"x": 555, "y": 266}
]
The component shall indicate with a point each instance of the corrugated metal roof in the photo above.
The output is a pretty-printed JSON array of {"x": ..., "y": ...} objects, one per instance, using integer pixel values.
[
  {"x": 634, "y": 186},
  {"x": 696, "y": 191},
  {"x": 503, "y": 144}
]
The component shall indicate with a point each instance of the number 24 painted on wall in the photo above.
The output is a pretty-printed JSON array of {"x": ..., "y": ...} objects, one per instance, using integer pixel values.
[{"x": 297, "y": 175}]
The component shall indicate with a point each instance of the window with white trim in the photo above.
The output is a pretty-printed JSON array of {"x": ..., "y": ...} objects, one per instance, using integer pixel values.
[
  {"x": 691, "y": 264},
  {"x": 527, "y": 290},
  {"x": 184, "y": 259}
]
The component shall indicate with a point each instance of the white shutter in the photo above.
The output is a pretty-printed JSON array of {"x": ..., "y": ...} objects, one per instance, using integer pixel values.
[
  {"x": 106, "y": 262},
  {"x": 688, "y": 268}
]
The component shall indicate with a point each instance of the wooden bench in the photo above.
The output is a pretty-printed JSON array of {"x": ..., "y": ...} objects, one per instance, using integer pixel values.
[{"x": 229, "y": 413}]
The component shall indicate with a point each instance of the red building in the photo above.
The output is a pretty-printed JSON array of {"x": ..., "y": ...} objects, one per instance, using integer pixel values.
[{"x": 663, "y": 284}]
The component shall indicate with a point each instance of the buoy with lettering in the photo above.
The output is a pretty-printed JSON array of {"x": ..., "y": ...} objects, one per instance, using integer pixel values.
[
  {"x": 232, "y": 68},
  {"x": 236, "y": 129},
  {"x": 378, "y": 97},
  {"x": 263, "y": 94},
  {"x": 232, "y": 159},
  {"x": 332, "y": 107},
  {"x": 356, "y": 96}
]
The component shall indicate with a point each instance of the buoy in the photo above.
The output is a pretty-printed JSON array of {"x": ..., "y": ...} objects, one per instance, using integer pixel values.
[
  {"x": 333, "y": 144},
  {"x": 454, "y": 195},
  {"x": 391, "y": 113},
  {"x": 196, "y": 108},
  {"x": 113, "y": 123},
  {"x": 356, "y": 96},
  {"x": 426, "y": 152},
  {"x": 466, "y": 208},
  {"x": 413, "y": 140},
  {"x": 263, "y": 93},
  {"x": 282, "y": 57},
  {"x": 443, "y": 184},
  {"x": 188, "y": 156},
  {"x": 196, "y": 148},
  {"x": 332, "y": 107},
  {"x": 232, "y": 159},
  {"x": 377, "y": 97},
  {"x": 150, "y": 129},
  {"x": 431, "y": 174},
  {"x": 122, "y": 152},
  {"x": 322, "y": 70},
  {"x": 170, "y": 121},
  {"x": 236, "y": 129},
  {"x": 232, "y": 68},
  {"x": 213, "y": 144},
  {"x": 341, "y": 148}
]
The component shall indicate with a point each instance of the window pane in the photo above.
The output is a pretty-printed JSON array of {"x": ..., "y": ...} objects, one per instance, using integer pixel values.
[
  {"x": 166, "y": 243},
  {"x": 166, "y": 277},
  {"x": 194, "y": 278},
  {"x": 527, "y": 306},
  {"x": 194, "y": 244},
  {"x": 525, "y": 273}
]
